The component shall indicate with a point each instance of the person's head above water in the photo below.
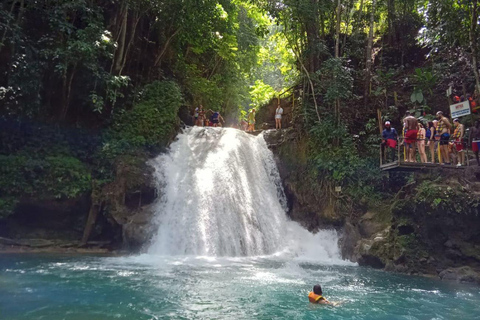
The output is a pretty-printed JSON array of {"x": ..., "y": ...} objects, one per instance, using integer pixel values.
[{"x": 317, "y": 289}]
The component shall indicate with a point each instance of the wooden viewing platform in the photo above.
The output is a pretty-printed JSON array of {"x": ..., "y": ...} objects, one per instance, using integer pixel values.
[{"x": 415, "y": 166}]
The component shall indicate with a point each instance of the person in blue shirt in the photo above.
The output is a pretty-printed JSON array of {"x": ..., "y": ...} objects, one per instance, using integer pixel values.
[{"x": 389, "y": 139}]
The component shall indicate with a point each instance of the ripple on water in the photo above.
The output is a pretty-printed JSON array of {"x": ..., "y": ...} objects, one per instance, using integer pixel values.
[{"x": 197, "y": 288}]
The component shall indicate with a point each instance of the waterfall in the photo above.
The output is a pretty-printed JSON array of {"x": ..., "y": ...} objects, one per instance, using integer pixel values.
[{"x": 223, "y": 197}]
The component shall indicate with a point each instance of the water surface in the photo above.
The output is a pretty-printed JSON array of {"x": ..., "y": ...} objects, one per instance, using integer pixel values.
[{"x": 274, "y": 287}]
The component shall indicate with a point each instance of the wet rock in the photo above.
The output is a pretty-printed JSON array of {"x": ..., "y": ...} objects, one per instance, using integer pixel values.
[
  {"x": 461, "y": 274},
  {"x": 139, "y": 230},
  {"x": 348, "y": 242}
]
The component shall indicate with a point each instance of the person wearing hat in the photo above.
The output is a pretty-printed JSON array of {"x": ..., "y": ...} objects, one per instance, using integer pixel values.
[
  {"x": 389, "y": 139},
  {"x": 457, "y": 137}
]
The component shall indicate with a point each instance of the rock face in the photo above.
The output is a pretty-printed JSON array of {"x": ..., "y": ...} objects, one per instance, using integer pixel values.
[
  {"x": 431, "y": 226},
  {"x": 307, "y": 204},
  {"x": 265, "y": 116},
  {"x": 461, "y": 274},
  {"x": 126, "y": 202},
  {"x": 123, "y": 219}
]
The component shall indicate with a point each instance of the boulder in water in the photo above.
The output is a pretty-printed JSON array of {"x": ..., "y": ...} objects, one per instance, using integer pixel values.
[{"x": 461, "y": 274}]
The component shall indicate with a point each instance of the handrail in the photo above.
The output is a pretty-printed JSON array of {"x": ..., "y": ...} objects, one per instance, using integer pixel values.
[{"x": 400, "y": 143}]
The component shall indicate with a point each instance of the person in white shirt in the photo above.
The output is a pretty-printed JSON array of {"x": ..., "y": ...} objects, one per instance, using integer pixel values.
[{"x": 278, "y": 117}]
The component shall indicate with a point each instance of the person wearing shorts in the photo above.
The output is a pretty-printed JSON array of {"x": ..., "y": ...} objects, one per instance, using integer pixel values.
[
  {"x": 278, "y": 117},
  {"x": 457, "y": 137},
  {"x": 389, "y": 140},
  {"x": 444, "y": 131},
  {"x": 411, "y": 125},
  {"x": 475, "y": 139}
]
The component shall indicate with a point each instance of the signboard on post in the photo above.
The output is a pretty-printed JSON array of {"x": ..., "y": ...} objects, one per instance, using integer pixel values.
[{"x": 460, "y": 109}]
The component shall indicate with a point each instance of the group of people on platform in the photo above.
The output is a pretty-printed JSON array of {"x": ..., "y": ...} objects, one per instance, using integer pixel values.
[{"x": 438, "y": 139}]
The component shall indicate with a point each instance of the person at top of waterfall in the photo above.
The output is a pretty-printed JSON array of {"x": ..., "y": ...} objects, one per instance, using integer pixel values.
[
  {"x": 316, "y": 296},
  {"x": 278, "y": 117},
  {"x": 444, "y": 130},
  {"x": 474, "y": 139},
  {"x": 458, "y": 137},
  {"x": 389, "y": 139},
  {"x": 215, "y": 118},
  {"x": 199, "y": 115},
  {"x": 251, "y": 120},
  {"x": 411, "y": 131},
  {"x": 244, "y": 125}
]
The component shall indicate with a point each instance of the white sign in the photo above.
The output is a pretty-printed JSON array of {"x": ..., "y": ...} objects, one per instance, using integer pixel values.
[{"x": 460, "y": 109}]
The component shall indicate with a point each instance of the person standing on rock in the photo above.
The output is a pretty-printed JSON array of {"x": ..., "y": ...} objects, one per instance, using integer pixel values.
[
  {"x": 474, "y": 139},
  {"x": 410, "y": 123},
  {"x": 444, "y": 131},
  {"x": 199, "y": 116},
  {"x": 251, "y": 120},
  {"x": 278, "y": 117},
  {"x": 215, "y": 119}
]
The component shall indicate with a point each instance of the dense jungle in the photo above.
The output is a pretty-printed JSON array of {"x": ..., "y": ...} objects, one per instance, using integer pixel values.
[{"x": 91, "y": 90}]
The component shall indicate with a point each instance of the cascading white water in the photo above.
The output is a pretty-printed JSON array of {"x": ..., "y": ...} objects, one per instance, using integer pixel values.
[{"x": 223, "y": 197}]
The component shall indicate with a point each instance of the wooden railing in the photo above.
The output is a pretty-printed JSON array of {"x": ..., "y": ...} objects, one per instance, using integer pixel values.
[{"x": 401, "y": 157}]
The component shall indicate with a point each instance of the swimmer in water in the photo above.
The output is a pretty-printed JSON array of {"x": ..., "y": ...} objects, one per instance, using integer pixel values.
[{"x": 315, "y": 296}]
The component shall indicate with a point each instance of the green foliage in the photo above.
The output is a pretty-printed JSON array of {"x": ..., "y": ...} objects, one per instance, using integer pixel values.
[
  {"x": 261, "y": 93},
  {"x": 437, "y": 198},
  {"x": 335, "y": 80},
  {"x": 417, "y": 96},
  {"x": 334, "y": 153},
  {"x": 50, "y": 177},
  {"x": 152, "y": 121}
]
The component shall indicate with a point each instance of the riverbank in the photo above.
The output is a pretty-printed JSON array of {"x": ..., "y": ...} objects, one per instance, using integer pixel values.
[{"x": 56, "y": 246}]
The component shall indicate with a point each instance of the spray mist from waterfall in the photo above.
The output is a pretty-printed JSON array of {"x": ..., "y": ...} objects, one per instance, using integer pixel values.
[{"x": 223, "y": 197}]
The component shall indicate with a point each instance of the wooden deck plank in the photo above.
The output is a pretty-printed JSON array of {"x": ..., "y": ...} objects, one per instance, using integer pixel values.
[{"x": 414, "y": 166}]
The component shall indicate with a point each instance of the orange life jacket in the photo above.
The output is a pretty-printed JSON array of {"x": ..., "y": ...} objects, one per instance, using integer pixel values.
[
  {"x": 473, "y": 104},
  {"x": 315, "y": 298}
]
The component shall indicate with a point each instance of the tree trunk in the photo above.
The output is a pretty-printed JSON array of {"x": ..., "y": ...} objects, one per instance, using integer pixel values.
[
  {"x": 473, "y": 44},
  {"x": 368, "y": 64},
  {"x": 2, "y": 42},
  {"x": 337, "y": 55},
  {"x": 158, "y": 60},
  {"x": 390, "y": 21},
  {"x": 313, "y": 38},
  {"x": 337, "y": 30},
  {"x": 119, "y": 52},
  {"x": 67, "y": 83},
  {"x": 91, "y": 220},
  {"x": 133, "y": 30},
  {"x": 360, "y": 17},
  {"x": 347, "y": 25}
]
